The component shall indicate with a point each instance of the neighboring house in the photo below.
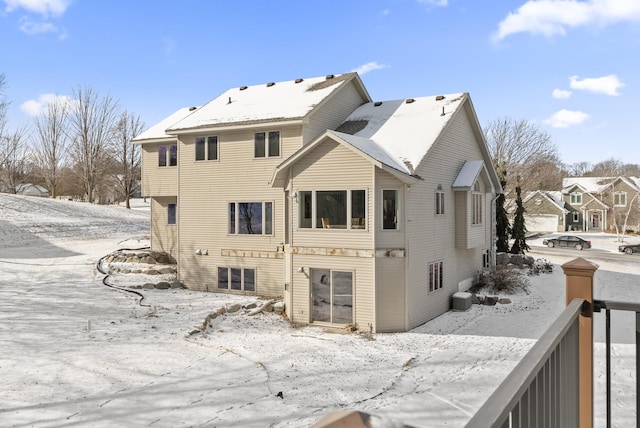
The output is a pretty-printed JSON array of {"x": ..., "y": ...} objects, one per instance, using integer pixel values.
[
  {"x": 547, "y": 212},
  {"x": 603, "y": 203},
  {"x": 354, "y": 212},
  {"x": 29, "y": 189}
]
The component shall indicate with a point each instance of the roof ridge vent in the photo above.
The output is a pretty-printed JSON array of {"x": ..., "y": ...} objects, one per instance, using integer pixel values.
[
  {"x": 439, "y": 97},
  {"x": 330, "y": 76},
  {"x": 270, "y": 84},
  {"x": 377, "y": 103},
  {"x": 242, "y": 88},
  {"x": 410, "y": 100},
  {"x": 299, "y": 80}
]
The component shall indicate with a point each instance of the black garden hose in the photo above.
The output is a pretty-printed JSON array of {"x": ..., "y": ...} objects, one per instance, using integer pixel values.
[{"x": 107, "y": 275}]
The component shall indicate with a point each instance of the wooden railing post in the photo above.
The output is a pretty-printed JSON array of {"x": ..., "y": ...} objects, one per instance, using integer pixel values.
[{"x": 580, "y": 273}]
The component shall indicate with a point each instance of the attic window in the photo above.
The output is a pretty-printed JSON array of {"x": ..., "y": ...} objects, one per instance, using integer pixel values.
[
  {"x": 330, "y": 76},
  {"x": 299, "y": 80},
  {"x": 242, "y": 88},
  {"x": 440, "y": 98},
  {"x": 410, "y": 100},
  {"x": 377, "y": 103},
  {"x": 270, "y": 84},
  {"x": 538, "y": 201}
]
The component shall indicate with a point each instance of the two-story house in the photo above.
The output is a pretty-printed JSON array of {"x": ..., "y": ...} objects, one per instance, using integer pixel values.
[{"x": 353, "y": 211}]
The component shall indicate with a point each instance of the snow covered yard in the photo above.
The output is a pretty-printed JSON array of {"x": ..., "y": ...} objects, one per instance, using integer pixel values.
[{"x": 76, "y": 353}]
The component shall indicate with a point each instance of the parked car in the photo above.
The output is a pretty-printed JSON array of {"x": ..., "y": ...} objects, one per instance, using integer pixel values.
[
  {"x": 629, "y": 248},
  {"x": 567, "y": 241}
]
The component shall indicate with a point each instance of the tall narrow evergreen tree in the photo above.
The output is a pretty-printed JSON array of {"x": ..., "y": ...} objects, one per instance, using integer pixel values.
[
  {"x": 519, "y": 230},
  {"x": 503, "y": 229}
]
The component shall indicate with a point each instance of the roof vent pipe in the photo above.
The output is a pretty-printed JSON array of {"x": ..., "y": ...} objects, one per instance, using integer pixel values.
[
  {"x": 192, "y": 108},
  {"x": 442, "y": 111},
  {"x": 299, "y": 80},
  {"x": 330, "y": 76},
  {"x": 440, "y": 98},
  {"x": 242, "y": 88},
  {"x": 270, "y": 84},
  {"x": 409, "y": 100},
  {"x": 229, "y": 102}
]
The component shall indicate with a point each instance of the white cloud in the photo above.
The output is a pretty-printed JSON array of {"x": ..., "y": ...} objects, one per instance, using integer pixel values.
[
  {"x": 554, "y": 17},
  {"x": 441, "y": 3},
  {"x": 566, "y": 118},
  {"x": 370, "y": 66},
  {"x": 31, "y": 28},
  {"x": 607, "y": 85},
  {"x": 560, "y": 94},
  {"x": 39, "y": 107},
  {"x": 45, "y": 8}
]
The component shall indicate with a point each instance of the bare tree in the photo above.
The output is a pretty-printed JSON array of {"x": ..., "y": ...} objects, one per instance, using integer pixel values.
[
  {"x": 127, "y": 155},
  {"x": 51, "y": 143},
  {"x": 92, "y": 119},
  {"x": 522, "y": 148},
  {"x": 13, "y": 165},
  {"x": 580, "y": 169},
  {"x": 4, "y": 106}
]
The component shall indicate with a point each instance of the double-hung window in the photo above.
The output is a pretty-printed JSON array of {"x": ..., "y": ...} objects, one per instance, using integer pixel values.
[
  {"x": 439, "y": 202},
  {"x": 171, "y": 214},
  {"x": 266, "y": 144},
  {"x": 207, "y": 148},
  {"x": 168, "y": 155},
  {"x": 575, "y": 199},
  {"x": 436, "y": 276},
  {"x": 237, "y": 279},
  {"x": 477, "y": 204},
  {"x": 389, "y": 209},
  {"x": 251, "y": 218},
  {"x": 332, "y": 209},
  {"x": 620, "y": 199}
]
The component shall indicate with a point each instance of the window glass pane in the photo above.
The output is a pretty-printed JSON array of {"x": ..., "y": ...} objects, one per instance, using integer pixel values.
[
  {"x": 358, "y": 209},
  {"x": 249, "y": 280},
  {"x": 232, "y": 217},
  {"x": 162, "y": 156},
  {"x": 305, "y": 210},
  {"x": 173, "y": 155},
  {"x": 274, "y": 143},
  {"x": 236, "y": 279},
  {"x": 171, "y": 214},
  {"x": 212, "y": 148},
  {"x": 321, "y": 293},
  {"x": 199, "y": 148},
  {"x": 389, "y": 209},
  {"x": 250, "y": 218},
  {"x": 223, "y": 277},
  {"x": 342, "y": 307},
  {"x": 258, "y": 145},
  {"x": 268, "y": 218},
  {"x": 331, "y": 209}
]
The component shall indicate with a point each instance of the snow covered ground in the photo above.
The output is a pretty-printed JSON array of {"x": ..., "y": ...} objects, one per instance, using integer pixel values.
[{"x": 74, "y": 352}]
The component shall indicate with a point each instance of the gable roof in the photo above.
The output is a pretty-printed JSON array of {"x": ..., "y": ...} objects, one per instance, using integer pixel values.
[
  {"x": 362, "y": 146},
  {"x": 468, "y": 175},
  {"x": 158, "y": 131},
  {"x": 597, "y": 184},
  {"x": 272, "y": 102},
  {"x": 555, "y": 198},
  {"x": 405, "y": 128}
]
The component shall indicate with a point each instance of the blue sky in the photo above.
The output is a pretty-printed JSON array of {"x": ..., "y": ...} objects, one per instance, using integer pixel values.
[{"x": 572, "y": 67}]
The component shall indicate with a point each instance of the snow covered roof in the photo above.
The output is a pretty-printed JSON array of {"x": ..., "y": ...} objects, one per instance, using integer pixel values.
[
  {"x": 271, "y": 102},
  {"x": 406, "y": 129},
  {"x": 468, "y": 174},
  {"x": 554, "y": 197},
  {"x": 373, "y": 150},
  {"x": 596, "y": 184},
  {"x": 157, "y": 131}
]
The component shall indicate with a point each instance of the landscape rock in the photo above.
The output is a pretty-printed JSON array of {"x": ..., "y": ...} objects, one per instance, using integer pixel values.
[
  {"x": 175, "y": 284},
  {"x": 235, "y": 307},
  {"x": 490, "y": 300},
  {"x": 163, "y": 285},
  {"x": 504, "y": 301},
  {"x": 148, "y": 286}
]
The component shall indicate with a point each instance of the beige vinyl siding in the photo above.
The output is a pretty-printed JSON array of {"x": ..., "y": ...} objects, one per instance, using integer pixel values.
[
  {"x": 331, "y": 166},
  {"x": 164, "y": 236},
  {"x": 207, "y": 188},
  {"x": 389, "y": 238},
  {"x": 432, "y": 238},
  {"x": 363, "y": 276},
  {"x": 158, "y": 181},
  {"x": 390, "y": 295},
  {"x": 333, "y": 113}
]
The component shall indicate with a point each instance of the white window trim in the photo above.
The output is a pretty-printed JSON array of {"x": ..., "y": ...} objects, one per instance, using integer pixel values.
[
  {"x": 439, "y": 276},
  {"x": 440, "y": 203},
  {"x": 237, "y": 214},
  {"x": 206, "y": 148},
  {"x": 266, "y": 144},
  {"x": 576, "y": 217},
  {"x": 398, "y": 209},
  {"x": 618, "y": 194},
  {"x": 167, "y": 155},
  {"x": 242, "y": 269},
  {"x": 577, "y": 196},
  {"x": 477, "y": 208},
  {"x": 314, "y": 212}
]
